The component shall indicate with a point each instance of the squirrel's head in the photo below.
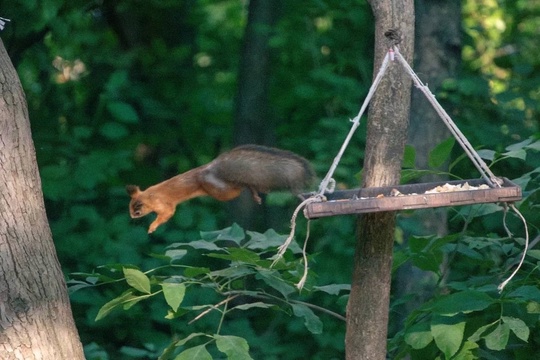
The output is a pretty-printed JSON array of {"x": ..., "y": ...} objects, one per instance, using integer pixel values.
[{"x": 137, "y": 207}]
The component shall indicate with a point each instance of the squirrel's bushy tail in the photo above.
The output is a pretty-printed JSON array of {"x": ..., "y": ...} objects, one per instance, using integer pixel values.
[{"x": 264, "y": 169}]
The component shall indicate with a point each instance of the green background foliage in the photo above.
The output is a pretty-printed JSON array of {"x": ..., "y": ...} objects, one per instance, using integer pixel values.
[{"x": 127, "y": 91}]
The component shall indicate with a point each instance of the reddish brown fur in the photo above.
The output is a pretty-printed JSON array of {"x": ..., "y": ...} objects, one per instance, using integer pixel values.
[{"x": 223, "y": 179}]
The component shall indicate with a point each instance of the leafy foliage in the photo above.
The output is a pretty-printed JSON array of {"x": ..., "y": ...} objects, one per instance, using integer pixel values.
[
  {"x": 239, "y": 277},
  {"x": 468, "y": 318},
  {"x": 121, "y": 93}
]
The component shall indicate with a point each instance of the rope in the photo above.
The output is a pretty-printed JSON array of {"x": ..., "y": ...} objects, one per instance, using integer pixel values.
[
  {"x": 505, "y": 282},
  {"x": 285, "y": 245},
  {"x": 302, "y": 281},
  {"x": 328, "y": 183},
  {"x": 323, "y": 187},
  {"x": 484, "y": 170}
]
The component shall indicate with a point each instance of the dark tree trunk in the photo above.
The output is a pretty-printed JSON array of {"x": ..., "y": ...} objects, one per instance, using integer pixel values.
[
  {"x": 438, "y": 53},
  {"x": 35, "y": 314},
  {"x": 437, "y": 58},
  {"x": 367, "y": 310},
  {"x": 252, "y": 123}
]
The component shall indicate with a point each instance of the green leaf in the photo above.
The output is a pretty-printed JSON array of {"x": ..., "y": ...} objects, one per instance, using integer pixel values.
[
  {"x": 487, "y": 154},
  {"x": 187, "y": 338},
  {"x": 175, "y": 254},
  {"x": 527, "y": 292},
  {"x": 269, "y": 240},
  {"x": 233, "y": 272},
  {"x": 192, "y": 272},
  {"x": 333, "y": 289},
  {"x": 466, "y": 352},
  {"x": 498, "y": 338},
  {"x": 194, "y": 353},
  {"x": 461, "y": 302},
  {"x": 419, "y": 335},
  {"x": 520, "y": 145},
  {"x": 199, "y": 244},
  {"x": 480, "y": 331},
  {"x": 234, "y": 233},
  {"x": 114, "y": 303},
  {"x": 441, "y": 153},
  {"x": 518, "y": 154},
  {"x": 312, "y": 321},
  {"x": 409, "y": 157},
  {"x": 257, "y": 304},
  {"x": 113, "y": 131},
  {"x": 122, "y": 111},
  {"x": 534, "y": 146},
  {"x": 518, "y": 327},
  {"x": 236, "y": 348},
  {"x": 137, "y": 280},
  {"x": 533, "y": 307},
  {"x": 238, "y": 254},
  {"x": 174, "y": 294},
  {"x": 448, "y": 334},
  {"x": 272, "y": 278}
]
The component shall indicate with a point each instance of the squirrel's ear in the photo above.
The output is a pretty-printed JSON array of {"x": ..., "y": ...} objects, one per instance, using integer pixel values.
[{"x": 132, "y": 190}]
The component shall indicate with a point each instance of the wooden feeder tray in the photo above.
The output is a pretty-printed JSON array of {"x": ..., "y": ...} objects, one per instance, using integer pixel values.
[{"x": 413, "y": 196}]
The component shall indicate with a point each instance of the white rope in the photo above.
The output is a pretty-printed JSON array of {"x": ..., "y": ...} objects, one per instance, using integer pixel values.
[
  {"x": 505, "y": 282},
  {"x": 285, "y": 245},
  {"x": 484, "y": 170},
  {"x": 323, "y": 187},
  {"x": 302, "y": 281}
]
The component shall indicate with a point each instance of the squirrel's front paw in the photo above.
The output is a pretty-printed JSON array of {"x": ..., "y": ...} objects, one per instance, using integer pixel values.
[{"x": 152, "y": 228}]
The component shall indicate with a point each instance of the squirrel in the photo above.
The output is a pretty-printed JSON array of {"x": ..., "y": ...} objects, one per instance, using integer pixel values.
[{"x": 257, "y": 168}]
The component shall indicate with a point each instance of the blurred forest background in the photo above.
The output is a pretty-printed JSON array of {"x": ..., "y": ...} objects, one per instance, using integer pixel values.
[{"x": 132, "y": 91}]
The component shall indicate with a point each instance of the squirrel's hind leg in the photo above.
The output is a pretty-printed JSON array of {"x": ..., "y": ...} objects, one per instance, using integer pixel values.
[{"x": 255, "y": 195}]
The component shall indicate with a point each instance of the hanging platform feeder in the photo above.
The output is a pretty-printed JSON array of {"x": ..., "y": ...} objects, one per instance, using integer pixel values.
[
  {"x": 488, "y": 189},
  {"x": 413, "y": 196}
]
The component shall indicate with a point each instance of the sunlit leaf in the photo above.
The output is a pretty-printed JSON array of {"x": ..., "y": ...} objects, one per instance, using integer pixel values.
[
  {"x": 236, "y": 348},
  {"x": 486, "y": 154},
  {"x": 174, "y": 294},
  {"x": 419, "y": 335},
  {"x": 518, "y": 327},
  {"x": 195, "y": 353},
  {"x": 448, "y": 334},
  {"x": 114, "y": 303},
  {"x": 498, "y": 338},
  {"x": 137, "y": 280}
]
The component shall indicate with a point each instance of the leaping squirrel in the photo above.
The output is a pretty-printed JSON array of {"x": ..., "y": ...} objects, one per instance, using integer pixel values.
[{"x": 258, "y": 168}]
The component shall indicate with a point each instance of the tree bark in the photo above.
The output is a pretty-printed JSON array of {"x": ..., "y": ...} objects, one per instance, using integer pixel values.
[
  {"x": 35, "y": 315},
  {"x": 367, "y": 310}
]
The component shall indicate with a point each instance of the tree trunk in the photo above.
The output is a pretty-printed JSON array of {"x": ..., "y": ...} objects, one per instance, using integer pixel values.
[
  {"x": 367, "y": 310},
  {"x": 35, "y": 314},
  {"x": 438, "y": 54},
  {"x": 252, "y": 123}
]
